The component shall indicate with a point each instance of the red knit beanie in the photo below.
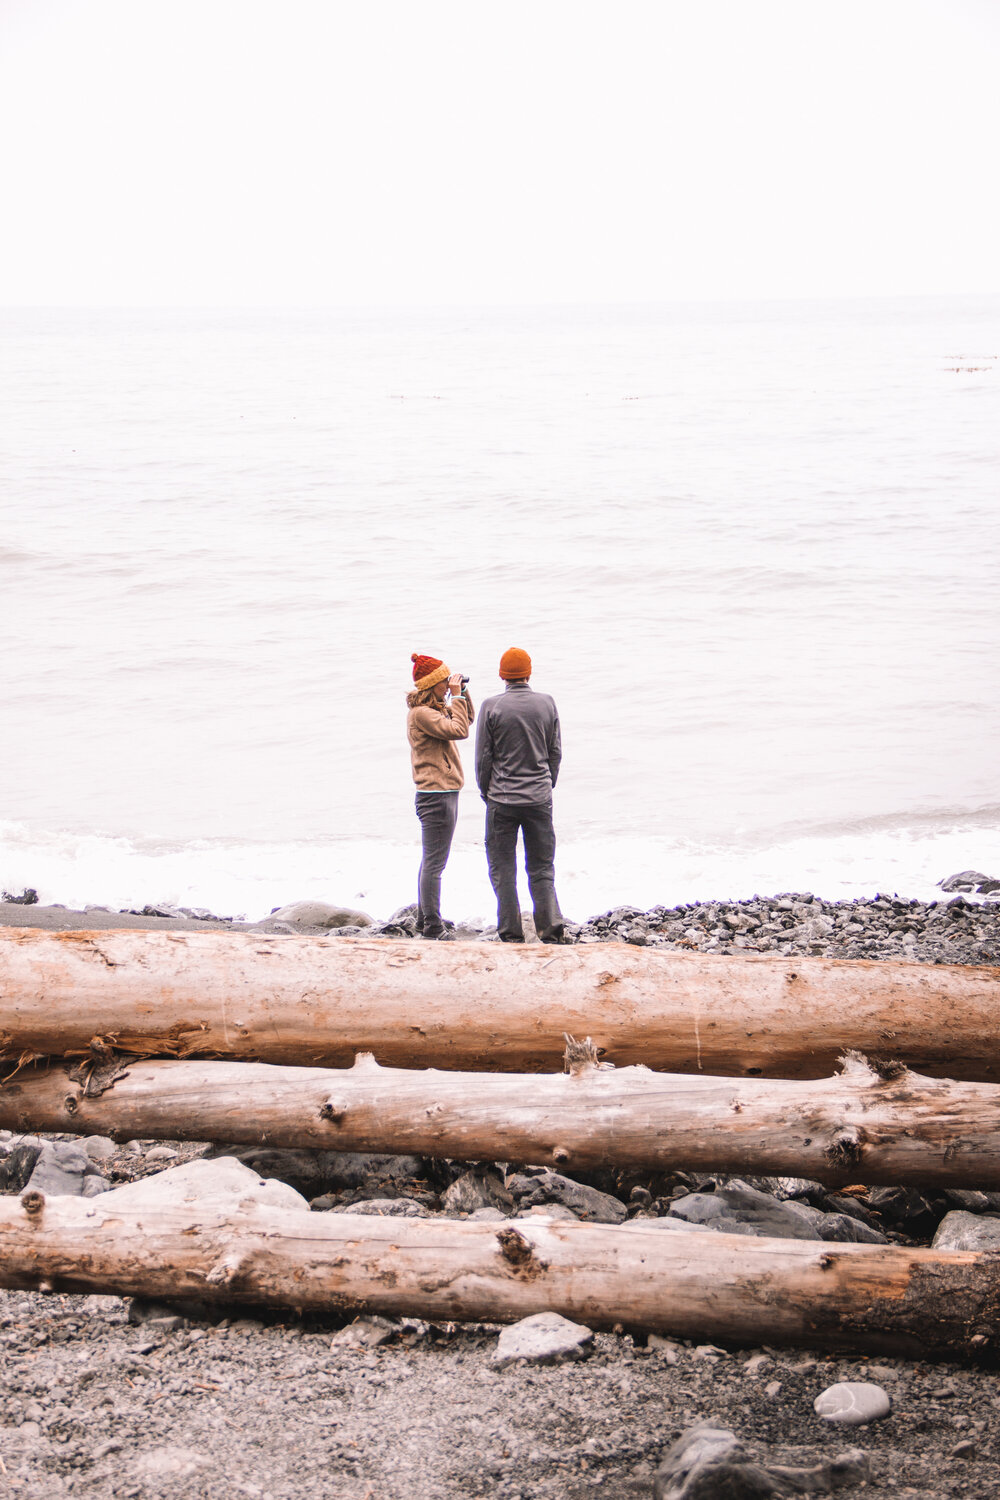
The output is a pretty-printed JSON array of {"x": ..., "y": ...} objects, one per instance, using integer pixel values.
[
  {"x": 427, "y": 671},
  {"x": 515, "y": 665}
]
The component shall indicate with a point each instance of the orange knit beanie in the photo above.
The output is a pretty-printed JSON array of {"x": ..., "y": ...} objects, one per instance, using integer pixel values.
[
  {"x": 428, "y": 671},
  {"x": 515, "y": 664}
]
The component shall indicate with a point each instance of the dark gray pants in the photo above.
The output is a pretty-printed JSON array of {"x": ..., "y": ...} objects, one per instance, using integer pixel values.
[
  {"x": 534, "y": 820},
  {"x": 438, "y": 814}
]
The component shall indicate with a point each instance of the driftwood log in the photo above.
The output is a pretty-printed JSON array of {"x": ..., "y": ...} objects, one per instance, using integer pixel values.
[
  {"x": 319, "y": 1001},
  {"x": 692, "y": 1285},
  {"x": 861, "y": 1126}
]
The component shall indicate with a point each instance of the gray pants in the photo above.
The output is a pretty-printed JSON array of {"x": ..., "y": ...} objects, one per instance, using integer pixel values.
[
  {"x": 534, "y": 820},
  {"x": 438, "y": 814}
]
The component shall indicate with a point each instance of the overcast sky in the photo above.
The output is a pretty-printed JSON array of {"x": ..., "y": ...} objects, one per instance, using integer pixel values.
[{"x": 426, "y": 151}]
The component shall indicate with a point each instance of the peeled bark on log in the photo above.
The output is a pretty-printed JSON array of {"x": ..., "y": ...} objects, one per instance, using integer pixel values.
[
  {"x": 693, "y": 1285},
  {"x": 860, "y": 1126},
  {"x": 478, "y": 1005}
]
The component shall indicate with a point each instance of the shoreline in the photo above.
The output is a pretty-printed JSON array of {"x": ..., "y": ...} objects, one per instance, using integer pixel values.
[{"x": 962, "y": 927}]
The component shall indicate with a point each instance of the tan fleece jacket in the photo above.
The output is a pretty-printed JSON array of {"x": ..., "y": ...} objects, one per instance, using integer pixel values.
[{"x": 432, "y": 731}]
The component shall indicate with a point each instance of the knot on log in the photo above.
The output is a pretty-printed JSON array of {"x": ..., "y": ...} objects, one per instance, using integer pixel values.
[
  {"x": 579, "y": 1056},
  {"x": 883, "y": 1069},
  {"x": 847, "y": 1148},
  {"x": 32, "y": 1201},
  {"x": 515, "y": 1249},
  {"x": 71, "y": 1103},
  {"x": 888, "y": 1068},
  {"x": 225, "y": 1271},
  {"x": 333, "y": 1110}
]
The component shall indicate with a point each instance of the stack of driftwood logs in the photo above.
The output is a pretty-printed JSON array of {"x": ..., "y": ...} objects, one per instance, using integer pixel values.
[{"x": 845, "y": 1072}]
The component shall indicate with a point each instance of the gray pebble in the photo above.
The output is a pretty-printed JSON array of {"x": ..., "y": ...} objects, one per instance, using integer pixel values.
[
  {"x": 853, "y": 1402},
  {"x": 545, "y": 1338},
  {"x": 365, "y": 1333},
  {"x": 99, "y": 1147}
]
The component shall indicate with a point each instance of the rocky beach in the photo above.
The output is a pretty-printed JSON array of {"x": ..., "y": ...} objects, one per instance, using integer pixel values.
[
  {"x": 104, "y": 1395},
  {"x": 962, "y": 927}
]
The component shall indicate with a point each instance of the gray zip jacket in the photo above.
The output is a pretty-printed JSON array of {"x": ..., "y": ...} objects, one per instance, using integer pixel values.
[{"x": 518, "y": 746}]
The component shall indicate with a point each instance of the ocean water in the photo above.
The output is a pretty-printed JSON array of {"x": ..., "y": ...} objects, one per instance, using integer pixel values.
[{"x": 753, "y": 550}]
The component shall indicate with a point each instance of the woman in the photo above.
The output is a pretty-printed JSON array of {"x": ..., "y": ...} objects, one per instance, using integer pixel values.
[{"x": 432, "y": 726}]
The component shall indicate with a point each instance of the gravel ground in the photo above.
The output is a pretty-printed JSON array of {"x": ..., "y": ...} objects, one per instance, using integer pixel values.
[
  {"x": 92, "y": 1403},
  {"x": 95, "y": 1405},
  {"x": 955, "y": 930}
]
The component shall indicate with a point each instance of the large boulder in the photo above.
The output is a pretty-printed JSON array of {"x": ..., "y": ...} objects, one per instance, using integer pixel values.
[
  {"x": 367, "y": 1170},
  {"x": 302, "y": 1169},
  {"x": 210, "y": 1183},
  {"x": 314, "y": 1173},
  {"x": 650, "y": 1221},
  {"x": 963, "y": 1231},
  {"x": 480, "y": 1187},
  {"x": 551, "y": 1187},
  {"x": 744, "y": 1210},
  {"x": 973, "y": 1201},
  {"x": 17, "y": 1162},
  {"x": 970, "y": 880},
  {"x": 385, "y": 1208},
  {"x": 907, "y": 1209},
  {"x": 312, "y": 916},
  {"x": 60, "y": 1170},
  {"x": 838, "y": 1226}
]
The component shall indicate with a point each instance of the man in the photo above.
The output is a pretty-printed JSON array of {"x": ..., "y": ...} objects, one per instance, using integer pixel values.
[{"x": 518, "y": 750}]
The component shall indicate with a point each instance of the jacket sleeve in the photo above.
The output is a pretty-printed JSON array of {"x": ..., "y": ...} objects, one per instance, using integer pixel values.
[
  {"x": 555, "y": 746},
  {"x": 450, "y": 723},
  {"x": 484, "y": 755}
]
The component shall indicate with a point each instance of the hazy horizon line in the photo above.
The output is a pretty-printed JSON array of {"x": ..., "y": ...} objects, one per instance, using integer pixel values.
[{"x": 718, "y": 300}]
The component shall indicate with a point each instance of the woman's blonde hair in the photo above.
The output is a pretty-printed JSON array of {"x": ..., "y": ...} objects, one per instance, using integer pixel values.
[{"x": 420, "y": 696}]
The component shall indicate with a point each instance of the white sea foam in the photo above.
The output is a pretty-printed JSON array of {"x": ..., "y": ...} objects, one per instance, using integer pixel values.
[{"x": 378, "y": 876}]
